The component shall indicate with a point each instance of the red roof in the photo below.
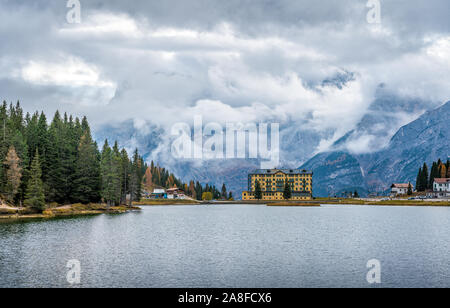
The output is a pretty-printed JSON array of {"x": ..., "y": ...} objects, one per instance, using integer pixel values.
[
  {"x": 442, "y": 181},
  {"x": 400, "y": 186}
]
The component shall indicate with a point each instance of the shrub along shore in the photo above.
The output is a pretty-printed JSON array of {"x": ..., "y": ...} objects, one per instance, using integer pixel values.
[
  {"x": 11, "y": 213},
  {"x": 158, "y": 202}
]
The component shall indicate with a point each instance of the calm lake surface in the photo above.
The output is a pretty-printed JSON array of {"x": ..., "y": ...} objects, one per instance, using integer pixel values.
[{"x": 232, "y": 246}]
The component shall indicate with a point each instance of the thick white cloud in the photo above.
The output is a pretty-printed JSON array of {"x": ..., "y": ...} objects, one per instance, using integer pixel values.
[
  {"x": 101, "y": 24},
  {"x": 163, "y": 62},
  {"x": 69, "y": 72}
]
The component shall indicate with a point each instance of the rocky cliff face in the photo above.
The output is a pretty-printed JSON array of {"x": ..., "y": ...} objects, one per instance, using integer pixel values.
[
  {"x": 146, "y": 139},
  {"x": 335, "y": 173},
  {"x": 423, "y": 140},
  {"x": 381, "y": 121}
]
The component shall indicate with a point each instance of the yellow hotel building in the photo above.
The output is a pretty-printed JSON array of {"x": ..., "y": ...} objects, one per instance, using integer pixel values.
[{"x": 272, "y": 182}]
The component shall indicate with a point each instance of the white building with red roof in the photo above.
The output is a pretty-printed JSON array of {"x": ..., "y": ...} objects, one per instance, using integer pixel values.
[
  {"x": 398, "y": 189},
  {"x": 441, "y": 188},
  {"x": 175, "y": 193}
]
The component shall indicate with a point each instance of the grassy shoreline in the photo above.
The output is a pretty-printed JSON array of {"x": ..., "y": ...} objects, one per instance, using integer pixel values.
[
  {"x": 311, "y": 203},
  {"x": 17, "y": 214},
  {"x": 386, "y": 202},
  {"x": 294, "y": 204},
  {"x": 166, "y": 202}
]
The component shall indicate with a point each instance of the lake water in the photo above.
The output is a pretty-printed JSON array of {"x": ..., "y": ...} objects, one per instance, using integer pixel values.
[{"x": 232, "y": 246}]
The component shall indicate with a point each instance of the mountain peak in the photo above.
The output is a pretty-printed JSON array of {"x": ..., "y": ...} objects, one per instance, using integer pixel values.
[{"x": 424, "y": 140}]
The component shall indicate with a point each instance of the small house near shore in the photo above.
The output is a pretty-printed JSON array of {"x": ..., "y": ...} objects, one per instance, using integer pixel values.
[
  {"x": 175, "y": 193},
  {"x": 171, "y": 193},
  {"x": 398, "y": 189},
  {"x": 441, "y": 188},
  {"x": 159, "y": 193}
]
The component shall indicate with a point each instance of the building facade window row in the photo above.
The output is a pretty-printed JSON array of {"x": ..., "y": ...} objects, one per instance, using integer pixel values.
[{"x": 273, "y": 181}]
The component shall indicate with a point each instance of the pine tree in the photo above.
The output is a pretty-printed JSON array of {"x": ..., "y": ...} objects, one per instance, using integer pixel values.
[
  {"x": 13, "y": 174},
  {"x": 34, "y": 196},
  {"x": 117, "y": 167},
  {"x": 31, "y": 133},
  {"x": 433, "y": 174},
  {"x": 20, "y": 145},
  {"x": 136, "y": 178},
  {"x": 16, "y": 122},
  {"x": 258, "y": 192},
  {"x": 425, "y": 176},
  {"x": 287, "y": 193},
  {"x": 419, "y": 181},
  {"x": 78, "y": 130},
  {"x": 410, "y": 189},
  {"x": 230, "y": 196},
  {"x": 125, "y": 164},
  {"x": 87, "y": 172},
  {"x": 224, "y": 192},
  {"x": 58, "y": 177},
  {"x": 110, "y": 174},
  {"x": 198, "y": 191},
  {"x": 4, "y": 141},
  {"x": 42, "y": 145},
  {"x": 85, "y": 128},
  {"x": 70, "y": 149},
  {"x": 104, "y": 171},
  {"x": 217, "y": 194}
]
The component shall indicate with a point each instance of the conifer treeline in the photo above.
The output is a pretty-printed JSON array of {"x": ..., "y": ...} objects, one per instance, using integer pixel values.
[
  {"x": 425, "y": 179},
  {"x": 156, "y": 176},
  {"x": 197, "y": 191},
  {"x": 61, "y": 163}
]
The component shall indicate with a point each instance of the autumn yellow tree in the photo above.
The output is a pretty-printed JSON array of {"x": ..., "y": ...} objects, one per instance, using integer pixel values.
[
  {"x": 443, "y": 171},
  {"x": 170, "y": 182},
  {"x": 148, "y": 182},
  {"x": 192, "y": 192},
  {"x": 207, "y": 196},
  {"x": 13, "y": 173}
]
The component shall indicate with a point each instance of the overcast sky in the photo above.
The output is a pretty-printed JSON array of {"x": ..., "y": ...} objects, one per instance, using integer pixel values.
[{"x": 248, "y": 60}]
